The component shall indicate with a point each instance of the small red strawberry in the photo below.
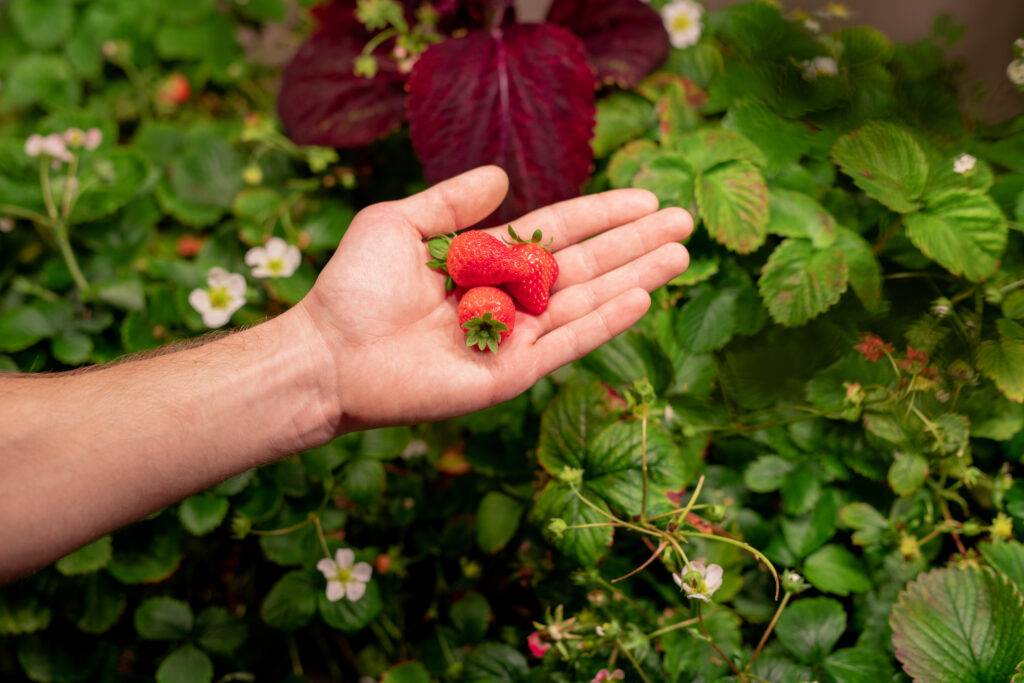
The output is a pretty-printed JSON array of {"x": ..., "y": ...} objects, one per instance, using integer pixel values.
[
  {"x": 533, "y": 291},
  {"x": 475, "y": 259},
  {"x": 174, "y": 90},
  {"x": 487, "y": 315}
]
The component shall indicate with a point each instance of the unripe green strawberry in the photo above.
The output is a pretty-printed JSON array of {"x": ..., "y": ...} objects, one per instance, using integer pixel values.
[
  {"x": 487, "y": 315},
  {"x": 533, "y": 291},
  {"x": 475, "y": 258}
]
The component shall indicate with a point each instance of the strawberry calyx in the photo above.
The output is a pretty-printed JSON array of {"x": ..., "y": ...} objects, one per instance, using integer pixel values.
[
  {"x": 535, "y": 238},
  {"x": 484, "y": 332},
  {"x": 438, "y": 248}
]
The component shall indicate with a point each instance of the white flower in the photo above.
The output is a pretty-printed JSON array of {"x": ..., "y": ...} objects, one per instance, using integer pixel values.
[
  {"x": 682, "y": 21},
  {"x": 1019, "y": 44},
  {"x": 699, "y": 582},
  {"x": 812, "y": 25},
  {"x": 274, "y": 259},
  {"x": 835, "y": 10},
  {"x": 6, "y": 224},
  {"x": 50, "y": 145},
  {"x": 224, "y": 295},
  {"x": 964, "y": 164},
  {"x": 811, "y": 69},
  {"x": 76, "y": 137},
  {"x": 1015, "y": 71},
  {"x": 346, "y": 578}
]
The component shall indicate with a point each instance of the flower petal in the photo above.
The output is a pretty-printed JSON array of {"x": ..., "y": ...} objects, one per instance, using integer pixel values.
[
  {"x": 355, "y": 590},
  {"x": 345, "y": 557},
  {"x": 362, "y": 571},
  {"x": 328, "y": 567},
  {"x": 199, "y": 299},
  {"x": 275, "y": 247},
  {"x": 256, "y": 256},
  {"x": 713, "y": 578},
  {"x": 335, "y": 591}
]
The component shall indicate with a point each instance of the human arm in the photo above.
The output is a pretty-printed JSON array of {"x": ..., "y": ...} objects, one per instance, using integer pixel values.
[{"x": 374, "y": 343}]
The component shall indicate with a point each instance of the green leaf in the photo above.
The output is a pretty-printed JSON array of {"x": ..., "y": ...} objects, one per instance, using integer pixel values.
[
  {"x": 217, "y": 631},
  {"x": 767, "y": 473},
  {"x": 1002, "y": 361},
  {"x": 1006, "y": 557},
  {"x": 363, "y": 480},
  {"x": 22, "y": 327},
  {"x": 202, "y": 513},
  {"x": 668, "y": 175},
  {"x": 43, "y": 79},
  {"x": 43, "y": 24},
  {"x": 960, "y": 625},
  {"x": 71, "y": 347},
  {"x": 795, "y": 214},
  {"x": 963, "y": 231},
  {"x": 907, "y": 473},
  {"x": 291, "y": 602},
  {"x": 613, "y": 469},
  {"x": 585, "y": 545},
  {"x": 626, "y": 162},
  {"x": 89, "y": 558},
  {"x": 733, "y": 202},
  {"x": 187, "y": 664},
  {"x": 52, "y": 661},
  {"x": 992, "y": 415},
  {"x": 409, "y": 672},
  {"x": 163, "y": 618},
  {"x": 100, "y": 604},
  {"x": 808, "y": 532},
  {"x": 126, "y": 294},
  {"x": 497, "y": 518},
  {"x": 708, "y": 321},
  {"x": 621, "y": 117},
  {"x": 834, "y": 569},
  {"x": 495, "y": 663},
  {"x": 471, "y": 615},
  {"x": 629, "y": 357},
  {"x": 858, "y": 665},
  {"x": 800, "y": 282},
  {"x": 568, "y": 424},
  {"x": 1013, "y": 305},
  {"x": 22, "y": 612},
  {"x": 348, "y": 616},
  {"x": 865, "y": 270},
  {"x": 885, "y": 161},
  {"x": 708, "y": 147},
  {"x": 810, "y": 627},
  {"x": 782, "y": 141},
  {"x": 145, "y": 554},
  {"x": 860, "y": 515}
]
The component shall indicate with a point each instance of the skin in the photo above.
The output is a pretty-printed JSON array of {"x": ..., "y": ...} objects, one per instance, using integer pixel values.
[{"x": 374, "y": 343}]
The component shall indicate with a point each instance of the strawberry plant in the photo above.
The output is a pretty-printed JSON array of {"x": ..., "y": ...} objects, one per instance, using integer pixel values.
[{"x": 805, "y": 463}]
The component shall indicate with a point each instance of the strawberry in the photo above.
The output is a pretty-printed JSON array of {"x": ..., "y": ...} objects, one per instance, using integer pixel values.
[
  {"x": 533, "y": 291},
  {"x": 474, "y": 259},
  {"x": 174, "y": 90},
  {"x": 487, "y": 316}
]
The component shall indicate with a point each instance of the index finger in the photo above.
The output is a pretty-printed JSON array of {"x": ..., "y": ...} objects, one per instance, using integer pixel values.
[{"x": 566, "y": 223}]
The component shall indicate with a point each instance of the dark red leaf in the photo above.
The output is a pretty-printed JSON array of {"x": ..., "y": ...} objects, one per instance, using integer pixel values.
[
  {"x": 521, "y": 97},
  {"x": 322, "y": 102},
  {"x": 625, "y": 39}
]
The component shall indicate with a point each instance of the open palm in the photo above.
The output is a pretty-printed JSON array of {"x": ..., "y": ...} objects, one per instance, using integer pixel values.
[{"x": 393, "y": 332}]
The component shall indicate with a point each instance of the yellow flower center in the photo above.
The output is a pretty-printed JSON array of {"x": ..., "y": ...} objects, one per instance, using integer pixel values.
[
  {"x": 681, "y": 22},
  {"x": 275, "y": 265},
  {"x": 344, "y": 574},
  {"x": 220, "y": 297}
]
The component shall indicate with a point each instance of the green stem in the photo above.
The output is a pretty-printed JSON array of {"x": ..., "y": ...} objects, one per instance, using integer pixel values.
[
  {"x": 634, "y": 662},
  {"x": 714, "y": 645},
  {"x": 375, "y": 42},
  {"x": 293, "y": 654},
  {"x": 69, "y": 192},
  {"x": 315, "y": 518},
  {"x": 769, "y": 629},
  {"x": 672, "y": 627},
  {"x": 282, "y": 531},
  {"x": 44, "y": 182},
  {"x": 750, "y": 549},
  {"x": 643, "y": 465},
  {"x": 60, "y": 233},
  {"x": 28, "y": 214}
]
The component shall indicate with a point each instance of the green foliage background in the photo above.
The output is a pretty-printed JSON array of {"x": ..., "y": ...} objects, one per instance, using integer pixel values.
[{"x": 827, "y": 209}]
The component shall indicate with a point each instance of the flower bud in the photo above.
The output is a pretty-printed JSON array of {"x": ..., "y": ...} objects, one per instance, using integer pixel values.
[
  {"x": 941, "y": 307},
  {"x": 557, "y": 527},
  {"x": 793, "y": 583},
  {"x": 715, "y": 513},
  {"x": 571, "y": 475}
]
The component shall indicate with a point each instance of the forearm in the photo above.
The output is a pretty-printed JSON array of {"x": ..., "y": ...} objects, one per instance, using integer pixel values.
[{"x": 151, "y": 431}]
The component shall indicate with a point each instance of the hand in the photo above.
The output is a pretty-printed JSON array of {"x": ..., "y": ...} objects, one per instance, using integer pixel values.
[{"x": 391, "y": 330}]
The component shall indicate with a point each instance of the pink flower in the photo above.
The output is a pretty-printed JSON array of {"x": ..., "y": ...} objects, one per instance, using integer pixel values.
[
  {"x": 605, "y": 675},
  {"x": 538, "y": 648}
]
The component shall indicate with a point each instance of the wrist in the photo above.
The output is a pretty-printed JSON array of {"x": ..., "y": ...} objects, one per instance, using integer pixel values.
[{"x": 315, "y": 390}]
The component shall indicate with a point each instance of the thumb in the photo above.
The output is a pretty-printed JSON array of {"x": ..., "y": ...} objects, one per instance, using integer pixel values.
[{"x": 455, "y": 203}]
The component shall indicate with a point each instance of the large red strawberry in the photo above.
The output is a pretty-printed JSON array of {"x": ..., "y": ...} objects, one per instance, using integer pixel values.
[
  {"x": 475, "y": 258},
  {"x": 533, "y": 291},
  {"x": 487, "y": 315}
]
